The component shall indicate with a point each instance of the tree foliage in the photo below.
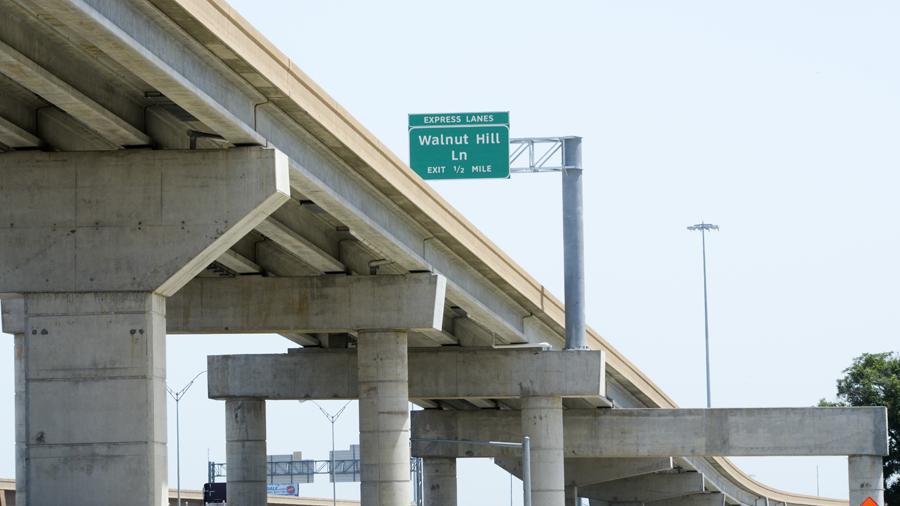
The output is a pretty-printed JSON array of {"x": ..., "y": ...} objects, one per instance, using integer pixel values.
[{"x": 874, "y": 380}]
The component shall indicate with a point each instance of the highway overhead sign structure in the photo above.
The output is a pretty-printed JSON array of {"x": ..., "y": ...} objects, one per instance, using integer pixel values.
[{"x": 473, "y": 145}]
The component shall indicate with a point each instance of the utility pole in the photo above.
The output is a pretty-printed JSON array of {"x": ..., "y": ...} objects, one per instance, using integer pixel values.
[
  {"x": 178, "y": 396},
  {"x": 332, "y": 418},
  {"x": 703, "y": 228}
]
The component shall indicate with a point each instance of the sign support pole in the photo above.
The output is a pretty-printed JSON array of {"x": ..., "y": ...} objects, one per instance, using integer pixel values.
[
  {"x": 573, "y": 243},
  {"x": 538, "y": 154}
]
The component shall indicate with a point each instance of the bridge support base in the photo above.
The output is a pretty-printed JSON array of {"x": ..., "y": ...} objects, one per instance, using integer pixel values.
[
  {"x": 542, "y": 421},
  {"x": 245, "y": 451},
  {"x": 440, "y": 482},
  {"x": 866, "y": 479},
  {"x": 94, "y": 404},
  {"x": 383, "y": 418}
]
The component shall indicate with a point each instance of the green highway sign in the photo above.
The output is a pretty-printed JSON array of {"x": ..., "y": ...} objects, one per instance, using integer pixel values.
[{"x": 466, "y": 145}]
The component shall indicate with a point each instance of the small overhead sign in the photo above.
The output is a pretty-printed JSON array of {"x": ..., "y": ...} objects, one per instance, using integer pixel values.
[
  {"x": 467, "y": 145},
  {"x": 283, "y": 489}
]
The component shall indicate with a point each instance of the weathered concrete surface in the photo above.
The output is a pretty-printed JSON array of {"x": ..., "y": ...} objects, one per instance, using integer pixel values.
[
  {"x": 97, "y": 358},
  {"x": 497, "y": 374},
  {"x": 383, "y": 419},
  {"x": 332, "y": 303},
  {"x": 439, "y": 482},
  {"x": 581, "y": 472},
  {"x": 441, "y": 373},
  {"x": 542, "y": 422},
  {"x": 245, "y": 451},
  {"x": 705, "y": 499},
  {"x": 647, "y": 488},
  {"x": 866, "y": 479},
  {"x": 97, "y": 221},
  {"x": 728, "y": 432},
  {"x": 671, "y": 432}
]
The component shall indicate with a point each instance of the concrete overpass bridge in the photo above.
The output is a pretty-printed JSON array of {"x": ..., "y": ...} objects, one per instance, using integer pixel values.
[{"x": 167, "y": 170}]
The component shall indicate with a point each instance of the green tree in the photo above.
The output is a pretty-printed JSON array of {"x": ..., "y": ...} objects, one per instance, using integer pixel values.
[{"x": 874, "y": 380}]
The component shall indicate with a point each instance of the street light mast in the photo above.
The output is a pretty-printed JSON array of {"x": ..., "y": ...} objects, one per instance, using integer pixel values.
[
  {"x": 178, "y": 396},
  {"x": 703, "y": 228},
  {"x": 332, "y": 418}
]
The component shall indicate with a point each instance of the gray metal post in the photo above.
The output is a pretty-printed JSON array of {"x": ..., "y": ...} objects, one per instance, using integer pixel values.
[
  {"x": 178, "y": 448},
  {"x": 573, "y": 243},
  {"x": 332, "y": 418},
  {"x": 706, "y": 322},
  {"x": 333, "y": 483},
  {"x": 703, "y": 227},
  {"x": 177, "y": 396},
  {"x": 526, "y": 471}
]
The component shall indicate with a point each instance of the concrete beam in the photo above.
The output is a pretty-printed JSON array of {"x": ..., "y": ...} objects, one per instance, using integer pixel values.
[
  {"x": 729, "y": 432},
  {"x": 16, "y": 137},
  {"x": 81, "y": 222},
  {"x": 581, "y": 472},
  {"x": 647, "y": 488},
  {"x": 59, "y": 93},
  {"x": 434, "y": 373},
  {"x": 299, "y": 246},
  {"x": 237, "y": 263},
  {"x": 334, "y": 303},
  {"x": 62, "y": 132},
  {"x": 671, "y": 432}
]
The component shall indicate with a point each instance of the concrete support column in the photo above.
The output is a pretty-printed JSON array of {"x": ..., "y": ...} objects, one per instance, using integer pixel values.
[
  {"x": 572, "y": 496},
  {"x": 542, "y": 421},
  {"x": 245, "y": 451},
  {"x": 440, "y": 481},
  {"x": 21, "y": 420},
  {"x": 383, "y": 418},
  {"x": 94, "y": 399},
  {"x": 866, "y": 479}
]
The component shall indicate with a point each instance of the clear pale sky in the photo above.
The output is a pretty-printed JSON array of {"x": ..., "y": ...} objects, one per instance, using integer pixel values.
[{"x": 778, "y": 121}]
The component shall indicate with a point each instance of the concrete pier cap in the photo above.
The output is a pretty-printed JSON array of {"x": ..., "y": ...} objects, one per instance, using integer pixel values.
[
  {"x": 434, "y": 373},
  {"x": 91, "y": 245}
]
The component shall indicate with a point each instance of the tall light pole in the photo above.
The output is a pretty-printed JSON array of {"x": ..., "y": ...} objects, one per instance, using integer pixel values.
[
  {"x": 332, "y": 418},
  {"x": 177, "y": 395},
  {"x": 703, "y": 228}
]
